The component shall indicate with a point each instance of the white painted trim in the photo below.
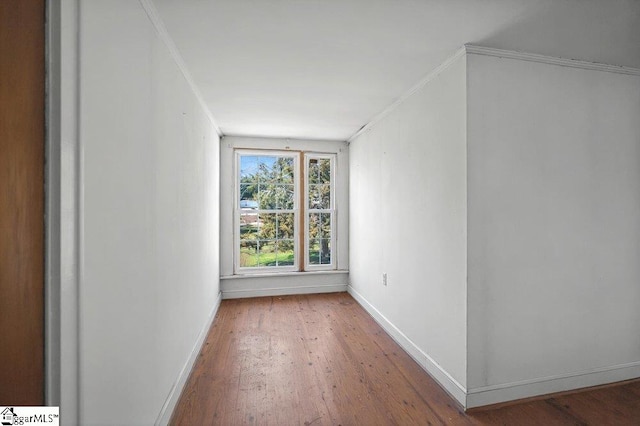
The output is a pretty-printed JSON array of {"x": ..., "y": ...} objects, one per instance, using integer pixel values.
[
  {"x": 425, "y": 80},
  {"x": 490, "y": 51},
  {"x": 284, "y": 274},
  {"x": 487, "y": 395},
  {"x": 451, "y": 385},
  {"x": 532, "y": 57},
  {"x": 176, "y": 390},
  {"x": 152, "y": 12},
  {"x": 283, "y": 137},
  {"x": 283, "y": 291},
  {"x": 70, "y": 211}
]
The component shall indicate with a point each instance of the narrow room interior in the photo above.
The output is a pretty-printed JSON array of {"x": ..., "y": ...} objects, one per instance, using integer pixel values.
[{"x": 357, "y": 212}]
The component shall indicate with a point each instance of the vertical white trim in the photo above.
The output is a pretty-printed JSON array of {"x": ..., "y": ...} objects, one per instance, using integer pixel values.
[
  {"x": 70, "y": 210},
  {"x": 52, "y": 206}
]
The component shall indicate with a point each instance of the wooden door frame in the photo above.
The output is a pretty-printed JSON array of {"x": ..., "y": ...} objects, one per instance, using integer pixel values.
[{"x": 22, "y": 41}]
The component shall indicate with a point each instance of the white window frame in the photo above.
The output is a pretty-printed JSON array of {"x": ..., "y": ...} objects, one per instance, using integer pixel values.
[
  {"x": 301, "y": 236},
  {"x": 237, "y": 211},
  {"x": 332, "y": 211}
]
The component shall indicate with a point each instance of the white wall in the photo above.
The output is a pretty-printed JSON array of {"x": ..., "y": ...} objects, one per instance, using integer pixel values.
[
  {"x": 408, "y": 219},
  {"x": 149, "y": 253},
  {"x": 554, "y": 226},
  {"x": 234, "y": 286}
]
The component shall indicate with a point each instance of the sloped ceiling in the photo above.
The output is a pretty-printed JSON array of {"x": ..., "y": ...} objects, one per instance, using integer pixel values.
[{"x": 322, "y": 69}]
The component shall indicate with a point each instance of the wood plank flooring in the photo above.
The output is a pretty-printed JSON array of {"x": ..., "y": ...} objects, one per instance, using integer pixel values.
[{"x": 322, "y": 360}]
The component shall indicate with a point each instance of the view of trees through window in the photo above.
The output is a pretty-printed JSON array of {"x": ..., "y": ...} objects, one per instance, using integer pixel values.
[
  {"x": 319, "y": 220},
  {"x": 269, "y": 208},
  {"x": 267, "y": 215}
]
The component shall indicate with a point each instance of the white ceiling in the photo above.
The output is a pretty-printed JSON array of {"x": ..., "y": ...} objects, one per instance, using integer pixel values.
[{"x": 321, "y": 69}]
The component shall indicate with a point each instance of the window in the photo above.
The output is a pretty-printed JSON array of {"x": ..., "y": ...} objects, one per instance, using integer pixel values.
[
  {"x": 267, "y": 211},
  {"x": 319, "y": 216},
  {"x": 284, "y": 222}
]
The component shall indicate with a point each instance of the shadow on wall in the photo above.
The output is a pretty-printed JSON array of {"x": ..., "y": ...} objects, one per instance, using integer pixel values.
[{"x": 576, "y": 29}]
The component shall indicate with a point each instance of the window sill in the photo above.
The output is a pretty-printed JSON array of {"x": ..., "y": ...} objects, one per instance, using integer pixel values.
[{"x": 283, "y": 274}]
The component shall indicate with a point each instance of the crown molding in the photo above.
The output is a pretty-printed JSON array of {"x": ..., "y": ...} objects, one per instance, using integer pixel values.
[
  {"x": 500, "y": 53},
  {"x": 423, "y": 82},
  {"x": 151, "y": 11},
  {"x": 564, "y": 62}
]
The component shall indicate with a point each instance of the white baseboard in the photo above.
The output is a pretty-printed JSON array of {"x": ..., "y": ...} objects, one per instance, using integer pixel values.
[
  {"x": 487, "y": 395},
  {"x": 455, "y": 389},
  {"x": 282, "y": 291},
  {"x": 471, "y": 398},
  {"x": 176, "y": 389}
]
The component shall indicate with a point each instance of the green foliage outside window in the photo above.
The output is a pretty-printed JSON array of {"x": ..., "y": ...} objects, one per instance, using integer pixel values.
[
  {"x": 319, "y": 195},
  {"x": 267, "y": 232}
]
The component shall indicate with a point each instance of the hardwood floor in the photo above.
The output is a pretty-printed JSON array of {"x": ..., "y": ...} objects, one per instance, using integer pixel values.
[{"x": 322, "y": 360}]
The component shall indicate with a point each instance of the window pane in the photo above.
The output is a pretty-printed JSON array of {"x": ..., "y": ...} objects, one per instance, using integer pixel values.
[
  {"x": 319, "y": 225},
  {"x": 285, "y": 256},
  {"x": 319, "y": 183},
  {"x": 325, "y": 225},
  {"x": 314, "y": 252},
  {"x": 313, "y": 173},
  {"x": 267, "y": 226},
  {"x": 275, "y": 253},
  {"x": 325, "y": 251},
  {"x": 249, "y": 226},
  {"x": 314, "y": 226},
  {"x": 270, "y": 236},
  {"x": 285, "y": 226},
  {"x": 280, "y": 197},
  {"x": 266, "y": 172},
  {"x": 273, "y": 188},
  {"x": 324, "y": 170},
  {"x": 247, "y": 191},
  {"x": 320, "y": 197},
  {"x": 248, "y": 254},
  {"x": 248, "y": 168},
  {"x": 283, "y": 170},
  {"x": 285, "y": 198},
  {"x": 266, "y": 196},
  {"x": 320, "y": 251},
  {"x": 266, "y": 253},
  {"x": 324, "y": 196},
  {"x": 274, "y": 169},
  {"x": 314, "y": 196},
  {"x": 319, "y": 171}
]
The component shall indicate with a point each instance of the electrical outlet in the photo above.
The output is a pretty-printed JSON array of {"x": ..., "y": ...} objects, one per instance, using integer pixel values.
[{"x": 384, "y": 279}]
